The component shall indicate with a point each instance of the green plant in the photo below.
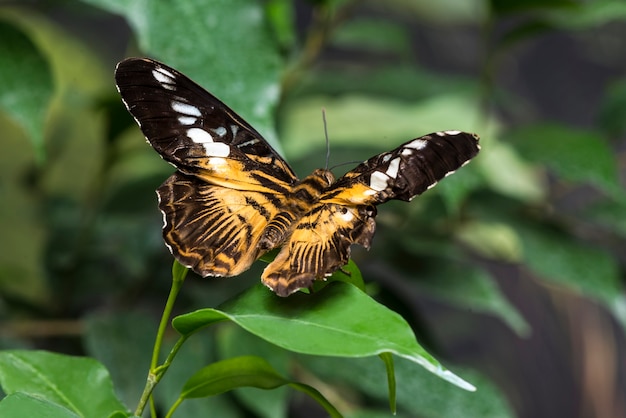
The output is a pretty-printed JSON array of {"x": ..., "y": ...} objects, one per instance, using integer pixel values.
[{"x": 81, "y": 229}]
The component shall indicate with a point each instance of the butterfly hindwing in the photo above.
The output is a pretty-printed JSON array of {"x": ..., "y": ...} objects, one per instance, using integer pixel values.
[
  {"x": 319, "y": 245},
  {"x": 212, "y": 229}
]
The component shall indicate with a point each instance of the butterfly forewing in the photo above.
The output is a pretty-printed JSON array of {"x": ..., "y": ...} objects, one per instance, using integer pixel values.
[
  {"x": 406, "y": 171},
  {"x": 234, "y": 198},
  {"x": 191, "y": 128}
]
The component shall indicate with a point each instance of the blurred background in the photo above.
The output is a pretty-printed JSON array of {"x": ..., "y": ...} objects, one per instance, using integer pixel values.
[{"x": 511, "y": 272}]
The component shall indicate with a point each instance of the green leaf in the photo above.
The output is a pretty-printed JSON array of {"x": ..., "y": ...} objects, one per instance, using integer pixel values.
[
  {"x": 27, "y": 80},
  {"x": 338, "y": 321},
  {"x": 81, "y": 385},
  {"x": 492, "y": 239},
  {"x": 567, "y": 151},
  {"x": 226, "y": 375},
  {"x": 280, "y": 15},
  {"x": 610, "y": 214},
  {"x": 230, "y": 52},
  {"x": 20, "y": 404},
  {"x": 517, "y": 6},
  {"x": 560, "y": 258},
  {"x": 374, "y": 35},
  {"x": 588, "y": 15},
  {"x": 508, "y": 174},
  {"x": 234, "y": 341}
]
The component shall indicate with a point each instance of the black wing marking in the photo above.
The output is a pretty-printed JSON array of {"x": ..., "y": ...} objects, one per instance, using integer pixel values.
[
  {"x": 406, "y": 171},
  {"x": 191, "y": 128}
]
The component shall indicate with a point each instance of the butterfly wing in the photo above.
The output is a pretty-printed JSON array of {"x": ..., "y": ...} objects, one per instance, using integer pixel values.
[
  {"x": 230, "y": 181},
  {"x": 321, "y": 240},
  {"x": 212, "y": 229},
  {"x": 406, "y": 171},
  {"x": 195, "y": 131},
  {"x": 319, "y": 244}
]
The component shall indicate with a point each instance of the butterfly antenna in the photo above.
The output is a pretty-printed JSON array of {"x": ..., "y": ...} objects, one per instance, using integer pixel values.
[{"x": 327, "y": 141}]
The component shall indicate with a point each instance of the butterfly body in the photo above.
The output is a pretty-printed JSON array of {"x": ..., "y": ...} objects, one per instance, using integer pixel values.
[{"x": 233, "y": 198}]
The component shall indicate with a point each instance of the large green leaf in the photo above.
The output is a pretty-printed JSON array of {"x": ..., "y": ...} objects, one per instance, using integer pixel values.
[
  {"x": 225, "y": 46},
  {"x": 81, "y": 385},
  {"x": 27, "y": 84},
  {"x": 339, "y": 321}
]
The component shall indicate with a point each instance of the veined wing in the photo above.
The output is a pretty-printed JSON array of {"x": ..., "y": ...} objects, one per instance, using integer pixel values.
[
  {"x": 212, "y": 229},
  {"x": 319, "y": 245},
  {"x": 406, "y": 171},
  {"x": 196, "y": 132}
]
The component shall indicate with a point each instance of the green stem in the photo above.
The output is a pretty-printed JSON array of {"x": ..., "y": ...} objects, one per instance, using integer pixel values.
[
  {"x": 174, "y": 407},
  {"x": 156, "y": 372}
]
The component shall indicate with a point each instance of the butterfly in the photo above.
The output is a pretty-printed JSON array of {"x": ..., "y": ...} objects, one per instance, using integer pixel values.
[{"x": 233, "y": 198}]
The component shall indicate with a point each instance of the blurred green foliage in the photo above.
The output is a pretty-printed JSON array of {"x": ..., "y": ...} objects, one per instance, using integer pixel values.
[{"x": 541, "y": 211}]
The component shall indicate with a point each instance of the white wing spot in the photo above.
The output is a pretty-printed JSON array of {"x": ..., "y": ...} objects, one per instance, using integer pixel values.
[
  {"x": 407, "y": 151},
  {"x": 394, "y": 166},
  {"x": 386, "y": 158},
  {"x": 199, "y": 136},
  {"x": 165, "y": 78},
  {"x": 452, "y": 132},
  {"x": 220, "y": 131},
  {"x": 417, "y": 144},
  {"x": 187, "y": 120},
  {"x": 234, "y": 129},
  {"x": 378, "y": 181},
  {"x": 186, "y": 109},
  {"x": 216, "y": 149}
]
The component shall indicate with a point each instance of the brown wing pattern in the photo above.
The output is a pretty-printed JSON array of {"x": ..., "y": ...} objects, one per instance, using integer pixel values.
[
  {"x": 211, "y": 229},
  {"x": 319, "y": 245}
]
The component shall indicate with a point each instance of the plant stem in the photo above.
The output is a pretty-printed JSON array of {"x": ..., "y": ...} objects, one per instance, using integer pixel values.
[
  {"x": 156, "y": 372},
  {"x": 173, "y": 408}
]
